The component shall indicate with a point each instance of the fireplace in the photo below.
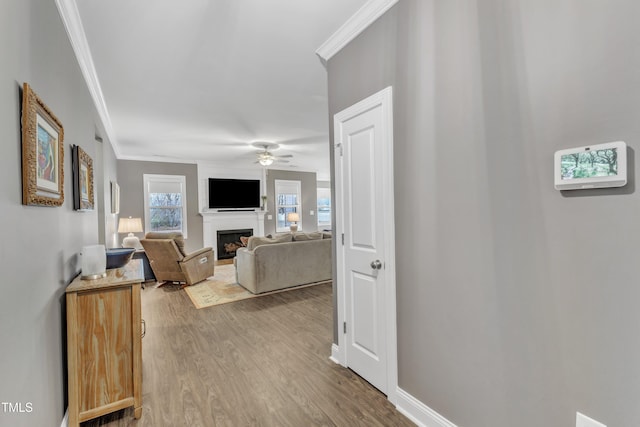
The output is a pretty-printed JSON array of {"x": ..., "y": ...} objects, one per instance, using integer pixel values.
[{"x": 229, "y": 241}]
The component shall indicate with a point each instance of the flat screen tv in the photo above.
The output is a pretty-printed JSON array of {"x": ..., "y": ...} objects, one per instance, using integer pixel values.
[
  {"x": 594, "y": 166},
  {"x": 234, "y": 193}
]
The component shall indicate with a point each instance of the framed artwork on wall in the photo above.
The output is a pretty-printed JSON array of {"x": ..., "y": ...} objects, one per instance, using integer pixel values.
[
  {"x": 42, "y": 152},
  {"x": 115, "y": 198},
  {"x": 82, "y": 179}
]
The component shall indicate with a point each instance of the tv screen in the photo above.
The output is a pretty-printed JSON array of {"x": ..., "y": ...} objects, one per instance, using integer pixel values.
[
  {"x": 590, "y": 164},
  {"x": 594, "y": 166},
  {"x": 234, "y": 193}
]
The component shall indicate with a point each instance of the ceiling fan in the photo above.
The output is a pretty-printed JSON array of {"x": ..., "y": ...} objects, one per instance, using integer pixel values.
[{"x": 265, "y": 158}]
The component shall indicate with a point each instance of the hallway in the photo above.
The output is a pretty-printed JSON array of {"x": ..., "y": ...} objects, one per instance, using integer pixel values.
[{"x": 257, "y": 362}]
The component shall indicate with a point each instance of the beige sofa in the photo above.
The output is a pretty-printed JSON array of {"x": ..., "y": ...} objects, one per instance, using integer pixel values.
[{"x": 287, "y": 260}]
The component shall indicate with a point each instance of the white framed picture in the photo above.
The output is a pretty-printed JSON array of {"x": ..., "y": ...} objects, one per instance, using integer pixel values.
[{"x": 115, "y": 198}]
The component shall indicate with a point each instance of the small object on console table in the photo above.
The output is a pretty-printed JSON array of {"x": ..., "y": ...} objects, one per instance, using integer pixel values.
[{"x": 119, "y": 257}]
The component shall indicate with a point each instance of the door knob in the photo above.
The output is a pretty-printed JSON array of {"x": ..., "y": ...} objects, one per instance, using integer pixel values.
[{"x": 376, "y": 265}]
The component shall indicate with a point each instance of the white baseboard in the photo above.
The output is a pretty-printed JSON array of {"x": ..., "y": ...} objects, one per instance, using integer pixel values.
[
  {"x": 335, "y": 350},
  {"x": 406, "y": 404},
  {"x": 65, "y": 420},
  {"x": 418, "y": 412}
]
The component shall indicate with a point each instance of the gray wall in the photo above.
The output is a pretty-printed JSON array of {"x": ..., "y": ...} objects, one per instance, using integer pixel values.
[
  {"x": 309, "y": 198},
  {"x": 130, "y": 175},
  {"x": 517, "y": 304},
  {"x": 39, "y": 251},
  {"x": 324, "y": 184},
  {"x": 107, "y": 164}
]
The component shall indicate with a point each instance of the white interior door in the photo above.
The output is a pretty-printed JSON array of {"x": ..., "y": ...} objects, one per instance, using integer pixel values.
[{"x": 366, "y": 277}]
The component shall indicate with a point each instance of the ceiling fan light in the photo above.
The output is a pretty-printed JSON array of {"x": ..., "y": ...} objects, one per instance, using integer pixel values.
[{"x": 265, "y": 161}]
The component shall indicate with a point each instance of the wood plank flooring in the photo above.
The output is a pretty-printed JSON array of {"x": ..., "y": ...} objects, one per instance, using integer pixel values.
[{"x": 258, "y": 362}]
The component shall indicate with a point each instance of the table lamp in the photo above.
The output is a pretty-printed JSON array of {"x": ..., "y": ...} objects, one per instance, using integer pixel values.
[
  {"x": 130, "y": 225},
  {"x": 293, "y": 218}
]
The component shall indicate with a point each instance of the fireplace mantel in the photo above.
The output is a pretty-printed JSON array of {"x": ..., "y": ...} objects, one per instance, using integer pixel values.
[{"x": 213, "y": 221}]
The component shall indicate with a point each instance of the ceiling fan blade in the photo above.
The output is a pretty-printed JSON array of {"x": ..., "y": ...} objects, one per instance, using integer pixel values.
[{"x": 285, "y": 156}]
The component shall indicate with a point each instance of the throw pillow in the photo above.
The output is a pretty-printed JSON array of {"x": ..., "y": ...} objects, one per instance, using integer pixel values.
[
  {"x": 300, "y": 236},
  {"x": 254, "y": 241},
  {"x": 244, "y": 240}
]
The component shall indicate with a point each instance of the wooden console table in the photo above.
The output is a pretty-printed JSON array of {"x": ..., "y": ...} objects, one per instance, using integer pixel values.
[{"x": 104, "y": 344}]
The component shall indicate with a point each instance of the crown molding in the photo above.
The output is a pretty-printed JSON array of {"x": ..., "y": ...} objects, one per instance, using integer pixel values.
[
  {"x": 73, "y": 24},
  {"x": 364, "y": 17},
  {"x": 158, "y": 159}
]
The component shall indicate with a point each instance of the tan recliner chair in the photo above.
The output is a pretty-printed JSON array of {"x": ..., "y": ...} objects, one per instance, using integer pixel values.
[{"x": 170, "y": 263}]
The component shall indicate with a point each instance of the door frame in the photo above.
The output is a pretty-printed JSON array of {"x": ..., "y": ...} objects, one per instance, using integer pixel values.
[{"x": 384, "y": 99}]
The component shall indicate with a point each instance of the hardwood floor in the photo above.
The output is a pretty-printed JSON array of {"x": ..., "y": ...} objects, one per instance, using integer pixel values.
[{"x": 258, "y": 362}]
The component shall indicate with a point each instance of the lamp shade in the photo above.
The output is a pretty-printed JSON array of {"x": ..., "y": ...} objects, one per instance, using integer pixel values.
[
  {"x": 293, "y": 217},
  {"x": 130, "y": 225},
  {"x": 265, "y": 161}
]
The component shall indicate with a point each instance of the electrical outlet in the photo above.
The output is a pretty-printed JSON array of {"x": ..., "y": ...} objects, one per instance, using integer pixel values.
[
  {"x": 269, "y": 217},
  {"x": 584, "y": 421},
  {"x": 312, "y": 213}
]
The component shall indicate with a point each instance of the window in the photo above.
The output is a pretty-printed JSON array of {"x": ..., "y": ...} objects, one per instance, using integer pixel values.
[
  {"x": 324, "y": 208},
  {"x": 165, "y": 203},
  {"x": 287, "y": 200}
]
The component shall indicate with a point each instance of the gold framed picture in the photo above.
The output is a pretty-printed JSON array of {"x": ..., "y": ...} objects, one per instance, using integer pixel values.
[
  {"x": 42, "y": 153},
  {"x": 82, "y": 179}
]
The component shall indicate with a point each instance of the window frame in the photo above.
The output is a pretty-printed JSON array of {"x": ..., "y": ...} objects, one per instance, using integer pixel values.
[
  {"x": 324, "y": 193},
  {"x": 280, "y": 186},
  {"x": 147, "y": 179}
]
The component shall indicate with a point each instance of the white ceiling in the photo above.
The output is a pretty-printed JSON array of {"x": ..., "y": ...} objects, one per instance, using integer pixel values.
[{"x": 205, "y": 79}]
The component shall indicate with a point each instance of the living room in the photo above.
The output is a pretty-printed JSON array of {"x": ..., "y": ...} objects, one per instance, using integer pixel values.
[{"x": 515, "y": 301}]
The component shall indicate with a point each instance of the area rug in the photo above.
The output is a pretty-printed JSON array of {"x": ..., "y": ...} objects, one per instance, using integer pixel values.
[{"x": 222, "y": 288}]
